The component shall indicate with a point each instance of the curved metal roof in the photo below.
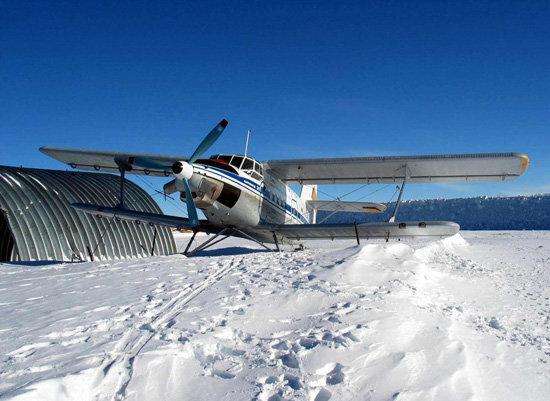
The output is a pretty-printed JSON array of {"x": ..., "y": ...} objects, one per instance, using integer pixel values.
[{"x": 35, "y": 203}]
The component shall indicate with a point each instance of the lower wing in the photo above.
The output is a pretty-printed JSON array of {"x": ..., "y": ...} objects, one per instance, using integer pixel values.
[
  {"x": 343, "y": 206},
  {"x": 364, "y": 230},
  {"x": 289, "y": 231},
  {"x": 144, "y": 217}
]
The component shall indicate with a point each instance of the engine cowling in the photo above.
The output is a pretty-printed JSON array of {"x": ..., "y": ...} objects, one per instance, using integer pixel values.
[{"x": 182, "y": 170}]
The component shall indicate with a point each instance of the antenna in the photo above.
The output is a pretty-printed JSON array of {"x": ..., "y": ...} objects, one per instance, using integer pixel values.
[{"x": 248, "y": 132}]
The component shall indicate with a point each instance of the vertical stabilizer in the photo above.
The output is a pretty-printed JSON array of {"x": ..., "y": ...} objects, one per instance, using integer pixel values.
[{"x": 309, "y": 192}]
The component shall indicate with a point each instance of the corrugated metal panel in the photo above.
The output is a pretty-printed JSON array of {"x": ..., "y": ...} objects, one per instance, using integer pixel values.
[{"x": 38, "y": 223}]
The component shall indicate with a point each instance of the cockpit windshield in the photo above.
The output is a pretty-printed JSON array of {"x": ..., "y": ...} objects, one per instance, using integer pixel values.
[
  {"x": 236, "y": 161},
  {"x": 247, "y": 165}
]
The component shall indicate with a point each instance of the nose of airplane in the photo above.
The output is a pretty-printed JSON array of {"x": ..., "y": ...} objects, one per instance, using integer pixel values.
[{"x": 182, "y": 170}]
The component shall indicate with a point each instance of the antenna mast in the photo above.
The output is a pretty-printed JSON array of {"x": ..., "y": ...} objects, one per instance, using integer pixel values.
[{"x": 246, "y": 143}]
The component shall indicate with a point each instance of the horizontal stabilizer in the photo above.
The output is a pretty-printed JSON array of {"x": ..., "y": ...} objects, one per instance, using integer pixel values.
[
  {"x": 134, "y": 215},
  {"x": 365, "y": 230},
  {"x": 341, "y": 206}
]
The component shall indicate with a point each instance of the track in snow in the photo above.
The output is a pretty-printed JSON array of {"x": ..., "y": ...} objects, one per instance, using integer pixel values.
[{"x": 116, "y": 371}]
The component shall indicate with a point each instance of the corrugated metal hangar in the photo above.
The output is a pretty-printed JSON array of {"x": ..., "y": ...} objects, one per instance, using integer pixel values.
[{"x": 38, "y": 223}]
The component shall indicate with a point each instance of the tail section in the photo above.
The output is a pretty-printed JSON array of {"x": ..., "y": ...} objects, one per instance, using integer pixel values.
[{"x": 309, "y": 193}]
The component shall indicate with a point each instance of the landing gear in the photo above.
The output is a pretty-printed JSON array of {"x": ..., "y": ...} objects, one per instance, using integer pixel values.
[
  {"x": 219, "y": 237},
  {"x": 299, "y": 248},
  {"x": 276, "y": 241},
  {"x": 190, "y": 242}
]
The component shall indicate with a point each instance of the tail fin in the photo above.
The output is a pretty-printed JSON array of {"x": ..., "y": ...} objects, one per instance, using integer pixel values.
[{"x": 309, "y": 192}]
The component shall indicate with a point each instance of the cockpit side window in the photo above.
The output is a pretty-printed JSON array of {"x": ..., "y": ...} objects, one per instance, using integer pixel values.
[{"x": 248, "y": 164}]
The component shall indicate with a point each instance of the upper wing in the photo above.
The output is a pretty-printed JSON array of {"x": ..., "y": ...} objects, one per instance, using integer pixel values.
[
  {"x": 385, "y": 169},
  {"x": 139, "y": 163}
]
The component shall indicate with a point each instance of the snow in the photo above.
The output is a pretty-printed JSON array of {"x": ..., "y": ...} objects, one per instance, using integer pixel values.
[{"x": 466, "y": 317}]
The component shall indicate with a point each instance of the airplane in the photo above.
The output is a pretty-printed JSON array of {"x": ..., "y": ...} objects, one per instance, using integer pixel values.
[{"x": 243, "y": 197}]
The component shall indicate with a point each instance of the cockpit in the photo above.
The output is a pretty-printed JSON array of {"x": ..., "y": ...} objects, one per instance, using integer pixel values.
[{"x": 243, "y": 163}]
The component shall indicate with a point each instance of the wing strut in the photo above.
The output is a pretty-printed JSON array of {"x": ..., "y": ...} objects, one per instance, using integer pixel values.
[
  {"x": 121, "y": 197},
  {"x": 394, "y": 214},
  {"x": 123, "y": 166}
]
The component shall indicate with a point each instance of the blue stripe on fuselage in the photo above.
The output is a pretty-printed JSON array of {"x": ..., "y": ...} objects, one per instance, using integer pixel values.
[{"x": 260, "y": 189}]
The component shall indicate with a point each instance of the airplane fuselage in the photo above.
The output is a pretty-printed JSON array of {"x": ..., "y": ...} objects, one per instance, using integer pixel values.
[{"x": 236, "y": 199}]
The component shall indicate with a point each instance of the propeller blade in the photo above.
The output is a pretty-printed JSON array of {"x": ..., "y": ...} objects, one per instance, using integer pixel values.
[
  {"x": 208, "y": 140},
  {"x": 191, "y": 209}
]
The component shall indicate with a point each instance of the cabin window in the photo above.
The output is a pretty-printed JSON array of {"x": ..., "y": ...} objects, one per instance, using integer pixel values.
[
  {"x": 229, "y": 196},
  {"x": 256, "y": 176}
]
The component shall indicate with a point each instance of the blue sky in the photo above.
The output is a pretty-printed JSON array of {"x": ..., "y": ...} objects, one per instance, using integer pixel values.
[{"x": 309, "y": 78}]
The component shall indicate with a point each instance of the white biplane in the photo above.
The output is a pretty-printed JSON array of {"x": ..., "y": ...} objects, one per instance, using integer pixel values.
[{"x": 243, "y": 197}]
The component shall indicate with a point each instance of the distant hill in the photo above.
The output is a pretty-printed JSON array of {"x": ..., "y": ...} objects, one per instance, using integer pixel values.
[{"x": 481, "y": 213}]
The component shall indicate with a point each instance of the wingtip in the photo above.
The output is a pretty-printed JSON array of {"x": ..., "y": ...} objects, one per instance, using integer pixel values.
[
  {"x": 224, "y": 123},
  {"x": 524, "y": 163},
  {"x": 45, "y": 150}
]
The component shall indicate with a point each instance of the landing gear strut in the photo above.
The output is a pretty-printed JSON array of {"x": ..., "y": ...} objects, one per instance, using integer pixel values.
[{"x": 219, "y": 237}]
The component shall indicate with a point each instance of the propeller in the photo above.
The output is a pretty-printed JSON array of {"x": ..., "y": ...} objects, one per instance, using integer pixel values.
[{"x": 183, "y": 171}]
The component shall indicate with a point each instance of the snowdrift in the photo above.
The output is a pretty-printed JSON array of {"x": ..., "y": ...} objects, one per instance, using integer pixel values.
[{"x": 455, "y": 319}]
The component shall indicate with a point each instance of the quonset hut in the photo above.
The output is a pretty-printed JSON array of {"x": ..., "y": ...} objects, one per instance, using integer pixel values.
[{"x": 37, "y": 222}]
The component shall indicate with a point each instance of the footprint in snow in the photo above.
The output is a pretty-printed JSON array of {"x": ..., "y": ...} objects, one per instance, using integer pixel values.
[
  {"x": 321, "y": 394},
  {"x": 308, "y": 342},
  {"x": 290, "y": 361},
  {"x": 332, "y": 372},
  {"x": 282, "y": 387}
]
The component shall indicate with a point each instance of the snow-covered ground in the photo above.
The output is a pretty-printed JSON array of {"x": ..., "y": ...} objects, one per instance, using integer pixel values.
[{"x": 467, "y": 317}]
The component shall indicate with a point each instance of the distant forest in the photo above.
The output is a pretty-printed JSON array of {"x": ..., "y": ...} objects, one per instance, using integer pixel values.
[{"x": 481, "y": 213}]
